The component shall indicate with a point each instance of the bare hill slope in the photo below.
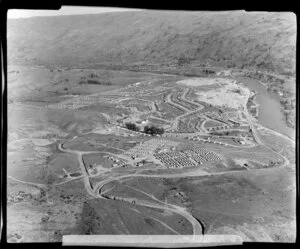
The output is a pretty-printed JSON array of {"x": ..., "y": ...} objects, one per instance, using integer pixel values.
[{"x": 239, "y": 39}]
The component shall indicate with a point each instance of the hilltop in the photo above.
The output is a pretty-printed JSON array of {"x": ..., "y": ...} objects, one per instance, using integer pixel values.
[{"x": 227, "y": 39}]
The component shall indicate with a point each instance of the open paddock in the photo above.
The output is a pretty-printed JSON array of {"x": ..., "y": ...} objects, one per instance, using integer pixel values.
[
  {"x": 207, "y": 88},
  {"x": 196, "y": 122},
  {"x": 177, "y": 107},
  {"x": 26, "y": 166},
  {"x": 156, "y": 121},
  {"x": 217, "y": 167},
  {"x": 177, "y": 98},
  {"x": 249, "y": 204},
  {"x": 232, "y": 132},
  {"x": 195, "y": 82},
  {"x": 190, "y": 124},
  {"x": 212, "y": 124},
  {"x": 183, "y": 127},
  {"x": 222, "y": 141},
  {"x": 120, "y": 217},
  {"x": 107, "y": 109},
  {"x": 38, "y": 104},
  {"x": 140, "y": 105},
  {"x": 207, "y": 107},
  {"x": 230, "y": 141},
  {"x": 101, "y": 142},
  {"x": 278, "y": 143},
  {"x": 258, "y": 153},
  {"x": 231, "y": 95},
  {"x": 157, "y": 96},
  {"x": 264, "y": 158},
  {"x": 62, "y": 165},
  {"x": 77, "y": 102},
  {"x": 168, "y": 111},
  {"x": 126, "y": 189}
]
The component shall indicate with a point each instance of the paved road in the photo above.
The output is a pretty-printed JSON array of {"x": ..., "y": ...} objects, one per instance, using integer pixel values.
[{"x": 84, "y": 171}]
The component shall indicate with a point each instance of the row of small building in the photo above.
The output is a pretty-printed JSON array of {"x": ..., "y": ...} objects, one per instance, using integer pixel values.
[{"x": 187, "y": 158}]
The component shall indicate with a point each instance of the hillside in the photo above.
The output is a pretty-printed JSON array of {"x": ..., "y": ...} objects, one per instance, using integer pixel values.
[{"x": 230, "y": 39}]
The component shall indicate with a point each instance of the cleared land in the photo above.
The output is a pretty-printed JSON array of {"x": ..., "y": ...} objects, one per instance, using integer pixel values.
[{"x": 75, "y": 168}]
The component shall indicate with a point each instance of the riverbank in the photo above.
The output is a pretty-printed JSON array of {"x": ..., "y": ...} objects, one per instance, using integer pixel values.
[
  {"x": 252, "y": 105},
  {"x": 270, "y": 110}
]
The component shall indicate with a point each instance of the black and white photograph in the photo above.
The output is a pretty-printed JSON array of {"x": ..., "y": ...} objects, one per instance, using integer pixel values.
[{"x": 146, "y": 122}]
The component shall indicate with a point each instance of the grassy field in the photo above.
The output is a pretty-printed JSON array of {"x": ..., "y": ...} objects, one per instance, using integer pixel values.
[
  {"x": 99, "y": 142},
  {"x": 116, "y": 217},
  {"x": 279, "y": 144},
  {"x": 97, "y": 158},
  {"x": 239, "y": 200},
  {"x": 48, "y": 85},
  {"x": 46, "y": 214},
  {"x": 210, "y": 123}
]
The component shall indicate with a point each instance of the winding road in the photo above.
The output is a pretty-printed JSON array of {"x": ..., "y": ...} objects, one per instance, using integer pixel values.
[
  {"x": 198, "y": 227},
  {"x": 96, "y": 191}
]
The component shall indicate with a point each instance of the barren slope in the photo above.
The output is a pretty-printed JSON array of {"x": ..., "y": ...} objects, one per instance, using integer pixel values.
[{"x": 265, "y": 40}]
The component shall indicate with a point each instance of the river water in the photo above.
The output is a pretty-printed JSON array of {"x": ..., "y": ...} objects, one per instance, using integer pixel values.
[{"x": 270, "y": 113}]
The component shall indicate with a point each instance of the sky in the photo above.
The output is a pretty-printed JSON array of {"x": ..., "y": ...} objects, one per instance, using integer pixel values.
[{"x": 65, "y": 10}]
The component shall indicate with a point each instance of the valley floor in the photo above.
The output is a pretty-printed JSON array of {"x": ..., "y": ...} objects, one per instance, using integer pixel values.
[{"x": 75, "y": 168}]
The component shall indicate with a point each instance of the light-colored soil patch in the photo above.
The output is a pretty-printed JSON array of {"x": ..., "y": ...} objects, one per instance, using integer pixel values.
[
  {"x": 240, "y": 161},
  {"x": 104, "y": 130},
  {"x": 25, "y": 143},
  {"x": 42, "y": 142},
  {"x": 212, "y": 123},
  {"x": 204, "y": 81},
  {"x": 230, "y": 95}
]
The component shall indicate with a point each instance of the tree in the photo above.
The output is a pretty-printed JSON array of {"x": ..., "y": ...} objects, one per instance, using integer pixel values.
[
  {"x": 152, "y": 130},
  {"x": 132, "y": 126},
  {"x": 183, "y": 60}
]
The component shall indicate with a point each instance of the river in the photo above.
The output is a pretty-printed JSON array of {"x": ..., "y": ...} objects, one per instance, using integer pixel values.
[{"x": 270, "y": 114}]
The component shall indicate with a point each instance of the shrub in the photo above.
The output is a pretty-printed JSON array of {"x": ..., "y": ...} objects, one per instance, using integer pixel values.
[
  {"x": 152, "y": 130},
  {"x": 93, "y": 75},
  {"x": 132, "y": 126},
  {"x": 96, "y": 82}
]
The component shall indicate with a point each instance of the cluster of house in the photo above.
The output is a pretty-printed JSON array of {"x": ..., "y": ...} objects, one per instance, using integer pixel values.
[
  {"x": 187, "y": 158},
  {"x": 220, "y": 127},
  {"x": 117, "y": 162}
]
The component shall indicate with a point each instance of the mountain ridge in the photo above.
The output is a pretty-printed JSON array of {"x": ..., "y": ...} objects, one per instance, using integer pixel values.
[{"x": 230, "y": 39}]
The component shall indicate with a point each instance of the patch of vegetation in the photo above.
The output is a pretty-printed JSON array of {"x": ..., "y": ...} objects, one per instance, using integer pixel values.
[
  {"x": 229, "y": 133},
  {"x": 88, "y": 219},
  {"x": 208, "y": 72},
  {"x": 183, "y": 60},
  {"x": 93, "y": 75},
  {"x": 153, "y": 130},
  {"x": 95, "y": 82},
  {"x": 132, "y": 126},
  {"x": 289, "y": 106}
]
